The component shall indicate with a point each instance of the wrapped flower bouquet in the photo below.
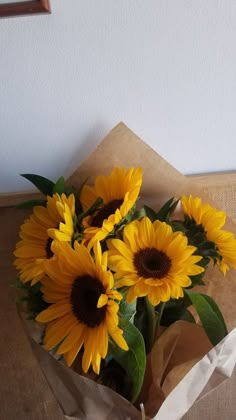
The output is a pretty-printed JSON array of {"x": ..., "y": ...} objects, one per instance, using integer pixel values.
[{"x": 116, "y": 265}]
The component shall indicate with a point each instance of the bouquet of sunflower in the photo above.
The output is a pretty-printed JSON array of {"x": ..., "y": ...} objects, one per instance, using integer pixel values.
[{"x": 109, "y": 278}]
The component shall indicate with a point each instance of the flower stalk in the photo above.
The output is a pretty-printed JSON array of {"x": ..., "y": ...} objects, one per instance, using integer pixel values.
[{"x": 153, "y": 322}]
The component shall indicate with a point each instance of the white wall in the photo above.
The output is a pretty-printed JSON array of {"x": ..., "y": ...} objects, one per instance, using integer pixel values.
[{"x": 167, "y": 68}]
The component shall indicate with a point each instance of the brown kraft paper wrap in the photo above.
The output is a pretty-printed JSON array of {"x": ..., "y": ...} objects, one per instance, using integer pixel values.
[{"x": 182, "y": 366}]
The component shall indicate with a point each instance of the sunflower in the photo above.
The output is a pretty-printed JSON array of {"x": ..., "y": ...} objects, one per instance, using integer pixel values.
[
  {"x": 212, "y": 221},
  {"x": 55, "y": 221},
  {"x": 153, "y": 261},
  {"x": 119, "y": 192},
  {"x": 83, "y": 310}
]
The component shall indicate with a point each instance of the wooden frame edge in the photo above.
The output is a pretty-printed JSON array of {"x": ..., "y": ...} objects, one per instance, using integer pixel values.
[{"x": 25, "y": 8}]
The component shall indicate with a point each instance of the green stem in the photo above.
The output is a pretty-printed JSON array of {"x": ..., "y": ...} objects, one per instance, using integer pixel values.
[
  {"x": 153, "y": 319},
  {"x": 154, "y": 322},
  {"x": 162, "y": 307}
]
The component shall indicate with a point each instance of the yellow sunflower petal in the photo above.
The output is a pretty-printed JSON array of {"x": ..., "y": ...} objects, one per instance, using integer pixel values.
[
  {"x": 117, "y": 336},
  {"x": 152, "y": 266},
  {"x": 54, "y": 311},
  {"x": 71, "y": 354},
  {"x": 102, "y": 301},
  {"x": 212, "y": 221},
  {"x": 73, "y": 336},
  {"x": 88, "y": 351},
  {"x": 53, "y": 221},
  {"x": 131, "y": 295},
  {"x": 146, "y": 231},
  {"x": 103, "y": 340},
  {"x": 74, "y": 320},
  {"x": 56, "y": 331},
  {"x": 119, "y": 192},
  {"x": 130, "y": 236}
]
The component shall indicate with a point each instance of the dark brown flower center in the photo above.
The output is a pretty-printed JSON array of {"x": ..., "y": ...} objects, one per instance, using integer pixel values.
[
  {"x": 150, "y": 262},
  {"x": 85, "y": 293},
  {"x": 105, "y": 211},
  {"x": 49, "y": 252}
]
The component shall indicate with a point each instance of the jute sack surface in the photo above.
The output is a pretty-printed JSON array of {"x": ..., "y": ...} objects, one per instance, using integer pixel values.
[{"x": 221, "y": 403}]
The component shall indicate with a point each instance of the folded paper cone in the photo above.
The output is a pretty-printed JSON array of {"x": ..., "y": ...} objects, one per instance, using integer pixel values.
[
  {"x": 161, "y": 181},
  {"x": 121, "y": 147}
]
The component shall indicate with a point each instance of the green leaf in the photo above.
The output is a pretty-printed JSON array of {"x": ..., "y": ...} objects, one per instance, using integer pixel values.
[
  {"x": 98, "y": 202},
  {"x": 44, "y": 185},
  {"x": 178, "y": 225},
  {"x": 150, "y": 213},
  {"x": 198, "y": 278},
  {"x": 19, "y": 285},
  {"x": 59, "y": 187},
  {"x": 77, "y": 194},
  {"x": 164, "y": 213},
  {"x": 175, "y": 312},
  {"x": 141, "y": 318},
  {"x": 211, "y": 318},
  {"x": 30, "y": 204},
  {"x": 70, "y": 190},
  {"x": 126, "y": 310},
  {"x": 78, "y": 205},
  {"x": 132, "y": 361},
  {"x": 138, "y": 214},
  {"x": 187, "y": 316},
  {"x": 115, "y": 377},
  {"x": 82, "y": 186},
  {"x": 215, "y": 307},
  {"x": 33, "y": 296}
]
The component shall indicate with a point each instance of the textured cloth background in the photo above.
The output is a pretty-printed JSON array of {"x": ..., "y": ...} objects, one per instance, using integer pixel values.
[{"x": 221, "y": 403}]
